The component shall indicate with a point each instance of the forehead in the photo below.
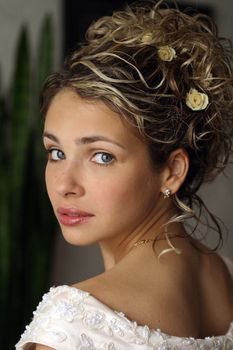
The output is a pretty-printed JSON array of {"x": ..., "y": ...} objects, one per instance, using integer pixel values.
[
  {"x": 68, "y": 112},
  {"x": 68, "y": 103}
]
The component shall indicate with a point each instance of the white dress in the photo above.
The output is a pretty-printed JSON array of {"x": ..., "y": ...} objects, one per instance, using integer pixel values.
[
  {"x": 68, "y": 318},
  {"x": 71, "y": 319}
]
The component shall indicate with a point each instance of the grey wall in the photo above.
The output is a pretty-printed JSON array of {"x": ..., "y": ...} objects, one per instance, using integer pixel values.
[{"x": 14, "y": 13}]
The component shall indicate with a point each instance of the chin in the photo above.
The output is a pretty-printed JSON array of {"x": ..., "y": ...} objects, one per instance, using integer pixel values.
[{"x": 77, "y": 237}]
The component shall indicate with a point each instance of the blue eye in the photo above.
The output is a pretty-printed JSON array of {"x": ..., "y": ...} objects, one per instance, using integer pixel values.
[
  {"x": 103, "y": 158},
  {"x": 56, "y": 154}
]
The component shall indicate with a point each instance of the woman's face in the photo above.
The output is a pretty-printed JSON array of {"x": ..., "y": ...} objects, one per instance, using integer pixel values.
[{"x": 99, "y": 177}]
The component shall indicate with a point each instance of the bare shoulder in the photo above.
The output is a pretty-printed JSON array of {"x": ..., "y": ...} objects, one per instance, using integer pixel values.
[
  {"x": 216, "y": 289},
  {"x": 215, "y": 270},
  {"x": 182, "y": 295},
  {"x": 217, "y": 280},
  {"x": 160, "y": 291},
  {"x": 93, "y": 285}
]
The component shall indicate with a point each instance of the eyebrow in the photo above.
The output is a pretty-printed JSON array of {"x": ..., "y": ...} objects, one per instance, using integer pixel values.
[
  {"x": 85, "y": 140},
  {"x": 51, "y": 137}
]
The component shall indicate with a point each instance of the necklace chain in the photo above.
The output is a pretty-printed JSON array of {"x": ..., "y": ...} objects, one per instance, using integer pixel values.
[
  {"x": 149, "y": 240},
  {"x": 143, "y": 241}
]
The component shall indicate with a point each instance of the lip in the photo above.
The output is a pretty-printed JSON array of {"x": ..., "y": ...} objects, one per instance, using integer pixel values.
[{"x": 73, "y": 216}]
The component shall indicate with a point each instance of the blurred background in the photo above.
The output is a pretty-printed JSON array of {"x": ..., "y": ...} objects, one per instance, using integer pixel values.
[{"x": 34, "y": 38}]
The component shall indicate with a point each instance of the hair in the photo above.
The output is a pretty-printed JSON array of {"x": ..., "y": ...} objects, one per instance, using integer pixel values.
[{"x": 169, "y": 74}]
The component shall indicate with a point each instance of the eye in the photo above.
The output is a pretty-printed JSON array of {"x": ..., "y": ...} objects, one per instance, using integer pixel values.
[
  {"x": 103, "y": 158},
  {"x": 55, "y": 154}
]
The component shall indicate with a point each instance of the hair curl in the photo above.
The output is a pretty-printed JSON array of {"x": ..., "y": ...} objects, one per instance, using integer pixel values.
[{"x": 117, "y": 65}]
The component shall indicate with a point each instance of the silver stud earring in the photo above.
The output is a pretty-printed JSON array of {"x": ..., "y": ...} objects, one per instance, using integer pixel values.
[{"x": 167, "y": 193}]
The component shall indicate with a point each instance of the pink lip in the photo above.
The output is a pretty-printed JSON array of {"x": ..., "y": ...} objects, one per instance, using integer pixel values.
[{"x": 72, "y": 216}]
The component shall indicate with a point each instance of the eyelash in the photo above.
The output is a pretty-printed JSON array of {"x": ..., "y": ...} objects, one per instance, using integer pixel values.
[
  {"x": 104, "y": 153},
  {"x": 49, "y": 152}
]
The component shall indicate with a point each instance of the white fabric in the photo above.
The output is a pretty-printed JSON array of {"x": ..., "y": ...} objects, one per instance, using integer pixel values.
[{"x": 71, "y": 319}]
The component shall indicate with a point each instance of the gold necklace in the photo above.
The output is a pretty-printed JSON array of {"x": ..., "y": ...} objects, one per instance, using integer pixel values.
[
  {"x": 149, "y": 240},
  {"x": 143, "y": 241}
]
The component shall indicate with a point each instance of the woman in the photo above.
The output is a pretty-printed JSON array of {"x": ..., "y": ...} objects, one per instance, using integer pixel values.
[{"x": 138, "y": 119}]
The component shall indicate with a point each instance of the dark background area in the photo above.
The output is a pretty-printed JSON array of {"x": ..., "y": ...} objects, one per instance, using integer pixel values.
[{"x": 78, "y": 15}]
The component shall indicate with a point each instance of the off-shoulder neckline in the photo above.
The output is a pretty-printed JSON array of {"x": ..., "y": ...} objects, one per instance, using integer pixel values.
[{"x": 134, "y": 324}]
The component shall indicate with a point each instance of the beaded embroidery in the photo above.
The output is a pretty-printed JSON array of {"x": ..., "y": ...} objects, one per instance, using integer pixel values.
[{"x": 68, "y": 318}]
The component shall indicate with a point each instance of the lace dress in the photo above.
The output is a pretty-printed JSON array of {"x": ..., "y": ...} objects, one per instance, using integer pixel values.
[{"x": 68, "y": 318}]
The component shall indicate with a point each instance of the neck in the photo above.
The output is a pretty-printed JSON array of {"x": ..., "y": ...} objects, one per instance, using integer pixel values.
[{"x": 116, "y": 249}]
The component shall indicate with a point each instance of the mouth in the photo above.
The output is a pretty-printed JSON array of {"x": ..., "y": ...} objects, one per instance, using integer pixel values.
[{"x": 72, "y": 216}]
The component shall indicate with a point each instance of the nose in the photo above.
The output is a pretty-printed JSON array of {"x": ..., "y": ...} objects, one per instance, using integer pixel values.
[{"x": 68, "y": 183}]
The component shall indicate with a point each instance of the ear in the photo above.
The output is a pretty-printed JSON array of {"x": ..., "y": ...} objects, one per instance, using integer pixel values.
[{"x": 175, "y": 170}]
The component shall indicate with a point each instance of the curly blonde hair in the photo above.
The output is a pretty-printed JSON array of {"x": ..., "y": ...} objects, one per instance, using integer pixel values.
[{"x": 121, "y": 64}]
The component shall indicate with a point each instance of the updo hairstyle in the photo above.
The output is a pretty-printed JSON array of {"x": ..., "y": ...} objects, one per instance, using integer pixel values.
[{"x": 169, "y": 74}]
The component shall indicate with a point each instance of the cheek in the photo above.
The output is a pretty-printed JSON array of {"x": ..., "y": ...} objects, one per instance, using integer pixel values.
[
  {"x": 49, "y": 180},
  {"x": 47, "y": 177},
  {"x": 127, "y": 192}
]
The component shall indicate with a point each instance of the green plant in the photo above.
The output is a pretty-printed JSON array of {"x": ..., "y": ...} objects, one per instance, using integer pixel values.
[{"x": 26, "y": 220}]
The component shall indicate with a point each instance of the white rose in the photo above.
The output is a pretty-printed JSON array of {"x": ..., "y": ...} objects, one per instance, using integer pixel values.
[
  {"x": 166, "y": 53},
  {"x": 196, "y": 100},
  {"x": 147, "y": 38}
]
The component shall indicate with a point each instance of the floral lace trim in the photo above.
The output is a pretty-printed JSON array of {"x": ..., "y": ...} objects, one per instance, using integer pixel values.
[{"x": 63, "y": 305}]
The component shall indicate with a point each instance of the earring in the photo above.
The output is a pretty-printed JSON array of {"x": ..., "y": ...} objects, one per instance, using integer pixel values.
[{"x": 167, "y": 193}]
